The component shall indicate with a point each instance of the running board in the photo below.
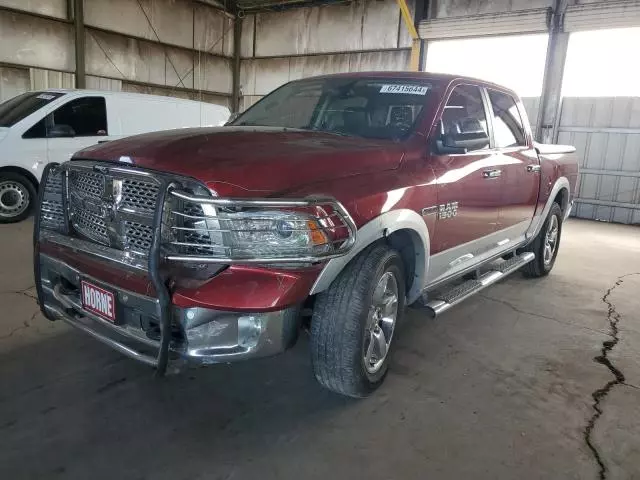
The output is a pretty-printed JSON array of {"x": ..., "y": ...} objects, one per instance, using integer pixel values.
[{"x": 445, "y": 300}]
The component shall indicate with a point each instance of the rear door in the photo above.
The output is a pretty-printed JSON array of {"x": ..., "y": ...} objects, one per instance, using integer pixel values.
[
  {"x": 520, "y": 164},
  {"x": 469, "y": 189}
]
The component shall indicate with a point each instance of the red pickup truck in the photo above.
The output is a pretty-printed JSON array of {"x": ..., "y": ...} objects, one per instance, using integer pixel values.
[{"x": 332, "y": 204}]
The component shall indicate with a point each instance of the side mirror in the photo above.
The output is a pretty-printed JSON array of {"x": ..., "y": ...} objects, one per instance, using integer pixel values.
[
  {"x": 61, "y": 131},
  {"x": 467, "y": 134}
]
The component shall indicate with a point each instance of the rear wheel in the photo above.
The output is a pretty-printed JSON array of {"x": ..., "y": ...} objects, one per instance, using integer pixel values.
[
  {"x": 354, "y": 322},
  {"x": 17, "y": 197},
  {"x": 545, "y": 245}
]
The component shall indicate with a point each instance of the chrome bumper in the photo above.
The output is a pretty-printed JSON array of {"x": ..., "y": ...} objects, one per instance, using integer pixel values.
[
  {"x": 152, "y": 330},
  {"x": 199, "y": 336}
]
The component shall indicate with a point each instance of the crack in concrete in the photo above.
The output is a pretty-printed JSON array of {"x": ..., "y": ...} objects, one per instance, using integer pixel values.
[
  {"x": 613, "y": 318},
  {"x": 25, "y": 324},
  {"x": 539, "y": 315},
  {"x": 24, "y": 291}
]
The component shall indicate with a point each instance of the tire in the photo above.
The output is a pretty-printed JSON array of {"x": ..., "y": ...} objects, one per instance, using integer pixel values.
[
  {"x": 544, "y": 261},
  {"x": 345, "y": 322},
  {"x": 17, "y": 197}
]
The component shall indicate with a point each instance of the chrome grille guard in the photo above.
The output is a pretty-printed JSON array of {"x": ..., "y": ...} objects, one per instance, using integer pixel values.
[
  {"x": 163, "y": 307},
  {"x": 58, "y": 219}
]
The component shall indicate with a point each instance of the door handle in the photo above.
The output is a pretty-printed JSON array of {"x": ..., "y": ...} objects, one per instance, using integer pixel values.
[
  {"x": 491, "y": 173},
  {"x": 533, "y": 168}
]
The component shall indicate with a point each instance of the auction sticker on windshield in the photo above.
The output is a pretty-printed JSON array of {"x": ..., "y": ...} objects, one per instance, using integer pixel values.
[{"x": 405, "y": 89}]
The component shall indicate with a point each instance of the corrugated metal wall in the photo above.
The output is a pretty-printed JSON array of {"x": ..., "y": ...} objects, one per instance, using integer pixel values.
[
  {"x": 531, "y": 106},
  {"x": 282, "y": 46},
  {"x": 13, "y": 81},
  {"x": 606, "y": 133},
  {"x": 179, "y": 48}
]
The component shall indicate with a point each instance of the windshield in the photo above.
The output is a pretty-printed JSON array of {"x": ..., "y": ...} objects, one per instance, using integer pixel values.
[
  {"x": 17, "y": 108},
  {"x": 371, "y": 108}
]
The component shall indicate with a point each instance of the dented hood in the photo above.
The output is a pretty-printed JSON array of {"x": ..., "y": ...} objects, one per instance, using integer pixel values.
[{"x": 237, "y": 160}]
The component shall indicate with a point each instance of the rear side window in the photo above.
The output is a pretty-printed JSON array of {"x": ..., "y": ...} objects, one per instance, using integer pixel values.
[
  {"x": 508, "y": 130},
  {"x": 82, "y": 117},
  {"x": 17, "y": 108}
]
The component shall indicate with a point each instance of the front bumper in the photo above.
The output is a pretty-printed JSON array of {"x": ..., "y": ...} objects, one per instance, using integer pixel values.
[
  {"x": 198, "y": 335},
  {"x": 166, "y": 314}
]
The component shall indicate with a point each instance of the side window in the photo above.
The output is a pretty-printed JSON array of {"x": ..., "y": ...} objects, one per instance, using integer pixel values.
[
  {"x": 464, "y": 112},
  {"x": 87, "y": 117},
  {"x": 508, "y": 130},
  {"x": 82, "y": 117},
  {"x": 39, "y": 130}
]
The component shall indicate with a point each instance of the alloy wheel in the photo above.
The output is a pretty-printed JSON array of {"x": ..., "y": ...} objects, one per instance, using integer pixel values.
[
  {"x": 381, "y": 322},
  {"x": 551, "y": 239}
]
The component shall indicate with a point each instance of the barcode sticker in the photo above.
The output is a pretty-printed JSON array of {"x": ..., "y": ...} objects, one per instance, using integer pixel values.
[{"x": 405, "y": 89}]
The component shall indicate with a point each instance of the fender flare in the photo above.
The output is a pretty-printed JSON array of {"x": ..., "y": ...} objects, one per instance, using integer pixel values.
[
  {"x": 376, "y": 229},
  {"x": 538, "y": 219}
]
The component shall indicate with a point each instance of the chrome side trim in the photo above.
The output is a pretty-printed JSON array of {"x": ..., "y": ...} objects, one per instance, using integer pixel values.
[
  {"x": 487, "y": 248},
  {"x": 379, "y": 227},
  {"x": 429, "y": 210},
  {"x": 538, "y": 219},
  {"x": 461, "y": 259}
]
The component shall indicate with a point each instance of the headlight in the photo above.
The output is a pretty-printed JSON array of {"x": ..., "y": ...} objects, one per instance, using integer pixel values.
[
  {"x": 228, "y": 230},
  {"x": 272, "y": 233}
]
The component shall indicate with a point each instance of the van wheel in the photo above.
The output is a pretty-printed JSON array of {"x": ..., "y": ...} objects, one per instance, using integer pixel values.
[
  {"x": 354, "y": 321},
  {"x": 17, "y": 197},
  {"x": 545, "y": 245}
]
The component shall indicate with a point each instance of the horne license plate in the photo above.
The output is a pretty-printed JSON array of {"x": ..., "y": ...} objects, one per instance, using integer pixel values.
[{"x": 99, "y": 301}]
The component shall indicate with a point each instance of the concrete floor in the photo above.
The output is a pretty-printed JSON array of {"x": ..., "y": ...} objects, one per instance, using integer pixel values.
[{"x": 497, "y": 388}]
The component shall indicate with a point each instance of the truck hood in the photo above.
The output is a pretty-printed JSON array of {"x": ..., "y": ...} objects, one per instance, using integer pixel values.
[{"x": 233, "y": 160}]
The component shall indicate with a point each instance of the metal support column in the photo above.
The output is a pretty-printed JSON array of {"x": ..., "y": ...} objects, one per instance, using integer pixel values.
[
  {"x": 237, "y": 42},
  {"x": 78, "y": 27},
  {"x": 550, "y": 99},
  {"x": 416, "y": 44}
]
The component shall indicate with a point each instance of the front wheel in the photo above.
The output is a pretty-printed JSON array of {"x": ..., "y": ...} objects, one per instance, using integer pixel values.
[
  {"x": 354, "y": 322},
  {"x": 17, "y": 197},
  {"x": 545, "y": 245}
]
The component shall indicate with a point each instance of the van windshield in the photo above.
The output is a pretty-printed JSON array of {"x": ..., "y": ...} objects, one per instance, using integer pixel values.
[
  {"x": 381, "y": 108},
  {"x": 17, "y": 108}
]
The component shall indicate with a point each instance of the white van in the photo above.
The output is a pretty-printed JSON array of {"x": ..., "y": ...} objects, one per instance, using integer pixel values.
[{"x": 37, "y": 128}]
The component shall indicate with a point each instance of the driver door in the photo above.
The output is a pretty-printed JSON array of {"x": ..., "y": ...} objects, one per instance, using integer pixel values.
[{"x": 469, "y": 184}]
